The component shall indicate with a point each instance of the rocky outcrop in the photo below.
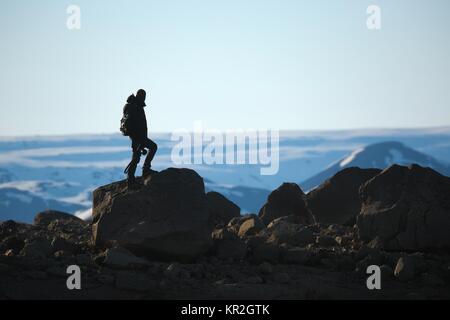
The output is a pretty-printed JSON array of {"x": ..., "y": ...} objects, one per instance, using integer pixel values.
[
  {"x": 46, "y": 217},
  {"x": 121, "y": 258},
  {"x": 250, "y": 227},
  {"x": 406, "y": 208},
  {"x": 337, "y": 199},
  {"x": 287, "y": 200},
  {"x": 227, "y": 245},
  {"x": 167, "y": 218},
  {"x": 136, "y": 231},
  {"x": 235, "y": 224},
  {"x": 60, "y": 237},
  {"x": 282, "y": 230},
  {"x": 221, "y": 210}
]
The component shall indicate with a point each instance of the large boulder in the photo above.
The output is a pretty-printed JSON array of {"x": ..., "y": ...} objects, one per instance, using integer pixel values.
[
  {"x": 337, "y": 199},
  {"x": 405, "y": 269},
  {"x": 282, "y": 231},
  {"x": 122, "y": 258},
  {"x": 44, "y": 218},
  {"x": 250, "y": 227},
  {"x": 406, "y": 208},
  {"x": 221, "y": 209},
  {"x": 235, "y": 224},
  {"x": 167, "y": 218},
  {"x": 287, "y": 200},
  {"x": 228, "y": 245}
]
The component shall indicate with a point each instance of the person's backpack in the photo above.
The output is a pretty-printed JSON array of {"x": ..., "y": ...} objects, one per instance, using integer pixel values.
[{"x": 125, "y": 124}]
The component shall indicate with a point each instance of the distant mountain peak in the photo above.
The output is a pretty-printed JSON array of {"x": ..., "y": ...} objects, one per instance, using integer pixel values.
[
  {"x": 343, "y": 163},
  {"x": 380, "y": 156}
]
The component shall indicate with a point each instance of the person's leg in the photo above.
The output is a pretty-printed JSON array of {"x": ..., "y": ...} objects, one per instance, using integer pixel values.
[
  {"x": 136, "y": 157},
  {"x": 152, "y": 148}
]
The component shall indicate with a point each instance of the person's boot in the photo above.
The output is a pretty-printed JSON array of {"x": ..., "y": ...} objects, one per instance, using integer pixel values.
[{"x": 132, "y": 183}]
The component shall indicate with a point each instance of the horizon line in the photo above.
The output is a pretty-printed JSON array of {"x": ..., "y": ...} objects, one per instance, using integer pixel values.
[{"x": 437, "y": 129}]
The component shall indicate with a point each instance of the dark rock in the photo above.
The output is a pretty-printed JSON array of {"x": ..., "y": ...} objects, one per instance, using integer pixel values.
[
  {"x": 168, "y": 218},
  {"x": 61, "y": 244},
  {"x": 222, "y": 234},
  {"x": 279, "y": 231},
  {"x": 337, "y": 199},
  {"x": 386, "y": 272},
  {"x": 122, "y": 258},
  {"x": 405, "y": 269},
  {"x": 13, "y": 243},
  {"x": 250, "y": 227},
  {"x": 61, "y": 254},
  {"x": 85, "y": 259},
  {"x": 336, "y": 229},
  {"x": 266, "y": 252},
  {"x": 236, "y": 222},
  {"x": 375, "y": 257},
  {"x": 277, "y": 261},
  {"x": 326, "y": 241},
  {"x": 45, "y": 217},
  {"x": 364, "y": 251},
  {"x": 173, "y": 270},
  {"x": 303, "y": 237},
  {"x": 9, "y": 253},
  {"x": 376, "y": 243},
  {"x": 287, "y": 200},
  {"x": 419, "y": 262},
  {"x": 228, "y": 245},
  {"x": 254, "y": 241},
  {"x": 37, "y": 248},
  {"x": 293, "y": 219},
  {"x": 8, "y": 227},
  {"x": 407, "y": 208},
  {"x": 391, "y": 258},
  {"x": 341, "y": 240},
  {"x": 221, "y": 210}
]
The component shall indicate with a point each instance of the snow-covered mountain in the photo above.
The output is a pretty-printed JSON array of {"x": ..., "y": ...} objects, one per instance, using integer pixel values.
[
  {"x": 378, "y": 155},
  {"x": 22, "y": 205},
  {"x": 66, "y": 169}
]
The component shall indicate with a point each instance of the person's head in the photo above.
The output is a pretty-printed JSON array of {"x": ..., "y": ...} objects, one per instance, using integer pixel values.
[{"x": 140, "y": 96}]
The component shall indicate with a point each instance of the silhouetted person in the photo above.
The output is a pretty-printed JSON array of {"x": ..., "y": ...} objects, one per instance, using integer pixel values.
[{"x": 134, "y": 125}]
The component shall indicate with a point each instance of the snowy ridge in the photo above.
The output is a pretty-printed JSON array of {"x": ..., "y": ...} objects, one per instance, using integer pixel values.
[{"x": 380, "y": 156}]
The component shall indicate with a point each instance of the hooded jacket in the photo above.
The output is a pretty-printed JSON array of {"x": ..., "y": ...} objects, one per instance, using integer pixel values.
[{"x": 138, "y": 122}]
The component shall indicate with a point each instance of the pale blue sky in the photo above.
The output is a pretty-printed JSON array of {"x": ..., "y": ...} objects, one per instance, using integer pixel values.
[{"x": 231, "y": 64}]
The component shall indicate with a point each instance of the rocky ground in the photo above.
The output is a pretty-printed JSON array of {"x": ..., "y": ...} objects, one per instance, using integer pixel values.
[{"x": 137, "y": 248}]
